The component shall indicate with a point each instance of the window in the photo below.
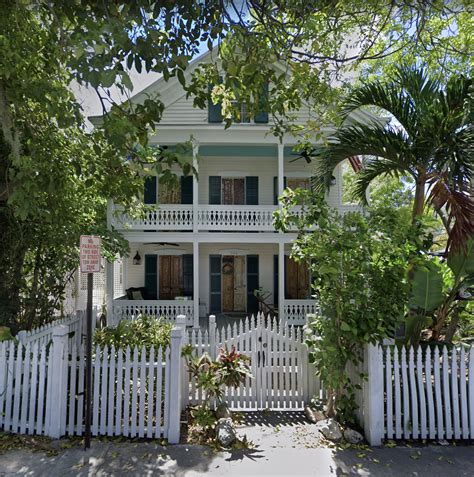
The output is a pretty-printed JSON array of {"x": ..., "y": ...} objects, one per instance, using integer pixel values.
[{"x": 241, "y": 114}]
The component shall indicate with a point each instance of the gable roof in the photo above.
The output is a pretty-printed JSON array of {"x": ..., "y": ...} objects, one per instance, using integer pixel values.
[{"x": 171, "y": 91}]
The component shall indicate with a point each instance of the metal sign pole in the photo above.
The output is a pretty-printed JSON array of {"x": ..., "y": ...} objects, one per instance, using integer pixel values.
[{"x": 88, "y": 403}]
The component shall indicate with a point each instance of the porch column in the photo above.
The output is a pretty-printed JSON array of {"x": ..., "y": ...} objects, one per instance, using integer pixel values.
[
  {"x": 196, "y": 283},
  {"x": 281, "y": 169},
  {"x": 281, "y": 280},
  {"x": 195, "y": 187},
  {"x": 109, "y": 268},
  {"x": 109, "y": 281}
]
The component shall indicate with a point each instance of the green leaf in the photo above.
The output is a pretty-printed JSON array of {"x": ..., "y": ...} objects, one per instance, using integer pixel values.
[
  {"x": 427, "y": 287},
  {"x": 462, "y": 261}
]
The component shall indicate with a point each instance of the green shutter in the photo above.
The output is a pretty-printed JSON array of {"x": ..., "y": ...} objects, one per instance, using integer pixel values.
[
  {"x": 214, "y": 110},
  {"x": 275, "y": 280},
  {"x": 151, "y": 276},
  {"x": 275, "y": 189},
  {"x": 187, "y": 189},
  {"x": 188, "y": 275},
  {"x": 251, "y": 190},
  {"x": 215, "y": 284},
  {"x": 149, "y": 193},
  {"x": 214, "y": 190},
  {"x": 261, "y": 114},
  {"x": 252, "y": 283}
]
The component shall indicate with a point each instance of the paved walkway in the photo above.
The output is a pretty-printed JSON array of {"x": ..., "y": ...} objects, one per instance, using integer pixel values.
[{"x": 284, "y": 444}]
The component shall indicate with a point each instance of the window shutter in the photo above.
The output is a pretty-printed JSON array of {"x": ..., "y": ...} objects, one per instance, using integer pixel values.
[
  {"x": 214, "y": 190},
  {"x": 151, "y": 276},
  {"x": 275, "y": 189},
  {"x": 275, "y": 280},
  {"x": 252, "y": 283},
  {"x": 188, "y": 275},
  {"x": 261, "y": 114},
  {"x": 149, "y": 193},
  {"x": 251, "y": 190},
  {"x": 215, "y": 283},
  {"x": 187, "y": 189},
  {"x": 214, "y": 110}
]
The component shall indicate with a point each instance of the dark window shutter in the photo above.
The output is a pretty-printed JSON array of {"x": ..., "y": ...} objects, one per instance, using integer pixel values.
[
  {"x": 149, "y": 194},
  {"x": 275, "y": 280},
  {"x": 215, "y": 283},
  {"x": 261, "y": 114},
  {"x": 151, "y": 276},
  {"x": 214, "y": 110},
  {"x": 275, "y": 189},
  {"x": 251, "y": 190},
  {"x": 188, "y": 275},
  {"x": 187, "y": 189},
  {"x": 252, "y": 283},
  {"x": 214, "y": 190}
]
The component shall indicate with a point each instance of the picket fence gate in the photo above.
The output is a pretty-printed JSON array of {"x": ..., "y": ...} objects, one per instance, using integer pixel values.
[{"x": 282, "y": 378}]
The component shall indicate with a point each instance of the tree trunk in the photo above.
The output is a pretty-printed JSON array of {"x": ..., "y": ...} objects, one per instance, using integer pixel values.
[{"x": 419, "y": 202}]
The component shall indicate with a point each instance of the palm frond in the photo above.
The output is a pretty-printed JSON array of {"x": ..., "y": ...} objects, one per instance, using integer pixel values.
[{"x": 361, "y": 140}]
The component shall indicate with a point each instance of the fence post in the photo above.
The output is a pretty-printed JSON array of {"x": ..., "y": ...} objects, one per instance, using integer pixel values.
[
  {"x": 56, "y": 398},
  {"x": 175, "y": 364},
  {"x": 21, "y": 337},
  {"x": 212, "y": 336},
  {"x": 373, "y": 395}
]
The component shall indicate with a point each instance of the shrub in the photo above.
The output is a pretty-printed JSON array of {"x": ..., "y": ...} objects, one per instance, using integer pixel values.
[{"x": 145, "y": 331}]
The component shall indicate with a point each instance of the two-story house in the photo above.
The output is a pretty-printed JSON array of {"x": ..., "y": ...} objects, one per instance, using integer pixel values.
[{"x": 209, "y": 242}]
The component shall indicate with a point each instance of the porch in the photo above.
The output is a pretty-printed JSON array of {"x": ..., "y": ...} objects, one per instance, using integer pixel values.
[{"x": 196, "y": 280}]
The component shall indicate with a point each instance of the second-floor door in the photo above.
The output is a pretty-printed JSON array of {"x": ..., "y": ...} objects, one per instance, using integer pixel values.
[{"x": 233, "y": 191}]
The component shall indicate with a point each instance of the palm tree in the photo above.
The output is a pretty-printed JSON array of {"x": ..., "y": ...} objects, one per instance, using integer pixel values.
[{"x": 430, "y": 140}]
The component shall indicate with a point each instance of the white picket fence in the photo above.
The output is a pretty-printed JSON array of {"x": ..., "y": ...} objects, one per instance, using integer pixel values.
[
  {"x": 282, "y": 377},
  {"x": 135, "y": 393},
  {"x": 44, "y": 334},
  {"x": 419, "y": 394}
]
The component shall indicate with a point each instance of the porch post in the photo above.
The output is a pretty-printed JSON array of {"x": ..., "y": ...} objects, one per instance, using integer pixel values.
[
  {"x": 109, "y": 283},
  {"x": 281, "y": 281},
  {"x": 196, "y": 283},
  {"x": 195, "y": 187},
  {"x": 109, "y": 269},
  {"x": 281, "y": 169}
]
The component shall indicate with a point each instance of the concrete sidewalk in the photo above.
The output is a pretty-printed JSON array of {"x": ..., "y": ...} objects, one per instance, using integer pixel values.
[
  {"x": 284, "y": 443},
  {"x": 146, "y": 459}
]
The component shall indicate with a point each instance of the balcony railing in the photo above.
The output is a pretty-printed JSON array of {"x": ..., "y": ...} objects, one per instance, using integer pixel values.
[
  {"x": 169, "y": 309},
  {"x": 226, "y": 218},
  {"x": 295, "y": 311},
  {"x": 236, "y": 217}
]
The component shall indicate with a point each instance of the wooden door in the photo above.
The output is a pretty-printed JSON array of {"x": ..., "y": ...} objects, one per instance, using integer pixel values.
[
  {"x": 233, "y": 191},
  {"x": 227, "y": 283},
  {"x": 296, "y": 279},
  {"x": 298, "y": 182},
  {"x": 171, "y": 277},
  {"x": 239, "y": 284},
  {"x": 169, "y": 193}
]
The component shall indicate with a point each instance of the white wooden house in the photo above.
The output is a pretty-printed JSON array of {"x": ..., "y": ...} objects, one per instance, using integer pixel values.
[{"x": 209, "y": 243}]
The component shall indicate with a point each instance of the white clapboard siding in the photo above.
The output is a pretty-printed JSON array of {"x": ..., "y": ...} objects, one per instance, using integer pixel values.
[{"x": 434, "y": 397}]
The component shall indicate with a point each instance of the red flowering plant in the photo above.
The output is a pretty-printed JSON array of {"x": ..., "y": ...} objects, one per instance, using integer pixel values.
[{"x": 229, "y": 369}]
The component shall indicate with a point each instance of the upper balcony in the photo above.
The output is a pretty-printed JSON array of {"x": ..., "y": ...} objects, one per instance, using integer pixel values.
[{"x": 223, "y": 218}]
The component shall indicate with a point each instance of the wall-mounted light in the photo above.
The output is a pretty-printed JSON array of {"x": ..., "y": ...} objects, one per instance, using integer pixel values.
[
  {"x": 137, "y": 260},
  {"x": 333, "y": 180}
]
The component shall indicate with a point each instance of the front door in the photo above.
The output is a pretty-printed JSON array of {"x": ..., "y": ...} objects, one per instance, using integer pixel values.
[
  {"x": 297, "y": 280},
  {"x": 171, "y": 277},
  {"x": 233, "y": 283},
  {"x": 233, "y": 191}
]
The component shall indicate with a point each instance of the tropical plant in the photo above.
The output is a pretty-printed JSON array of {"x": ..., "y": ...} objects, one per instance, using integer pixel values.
[
  {"x": 430, "y": 139},
  {"x": 360, "y": 283}
]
